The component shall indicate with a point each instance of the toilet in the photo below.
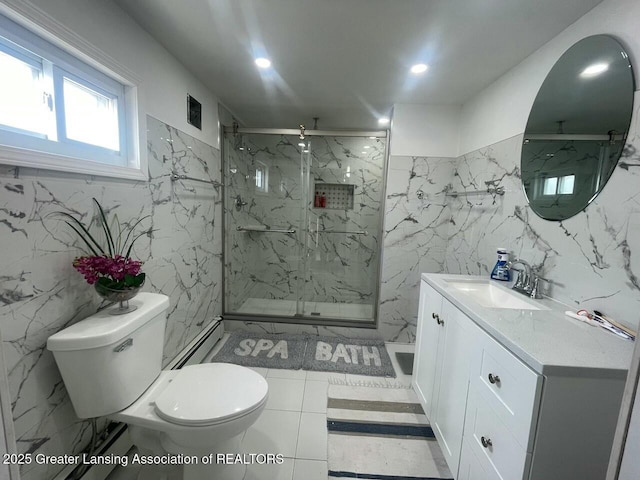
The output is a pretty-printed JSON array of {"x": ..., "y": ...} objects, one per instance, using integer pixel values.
[{"x": 112, "y": 366}]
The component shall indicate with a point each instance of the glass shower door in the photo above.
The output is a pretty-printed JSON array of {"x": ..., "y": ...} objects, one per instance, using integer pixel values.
[
  {"x": 303, "y": 227},
  {"x": 264, "y": 208},
  {"x": 342, "y": 247}
]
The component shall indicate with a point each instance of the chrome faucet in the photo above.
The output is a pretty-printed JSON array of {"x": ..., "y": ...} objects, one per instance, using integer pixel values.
[{"x": 528, "y": 280}]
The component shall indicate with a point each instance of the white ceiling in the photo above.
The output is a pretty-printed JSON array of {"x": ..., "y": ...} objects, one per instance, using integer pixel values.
[{"x": 347, "y": 61}]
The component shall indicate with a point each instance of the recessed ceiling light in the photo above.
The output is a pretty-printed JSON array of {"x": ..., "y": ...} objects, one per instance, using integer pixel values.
[
  {"x": 366, "y": 146},
  {"x": 263, "y": 62},
  {"x": 383, "y": 120},
  {"x": 595, "y": 69},
  {"x": 419, "y": 68},
  {"x": 302, "y": 144},
  {"x": 372, "y": 138}
]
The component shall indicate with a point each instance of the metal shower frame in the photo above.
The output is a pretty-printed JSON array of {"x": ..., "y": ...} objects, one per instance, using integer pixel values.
[{"x": 303, "y": 132}]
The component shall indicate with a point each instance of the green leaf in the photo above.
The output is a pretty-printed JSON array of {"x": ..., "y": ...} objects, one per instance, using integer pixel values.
[
  {"x": 86, "y": 232},
  {"x": 105, "y": 227},
  {"x": 83, "y": 239},
  {"x": 134, "y": 281},
  {"x": 139, "y": 279},
  {"x": 124, "y": 245},
  {"x": 134, "y": 241},
  {"x": 115, "y": 226}
]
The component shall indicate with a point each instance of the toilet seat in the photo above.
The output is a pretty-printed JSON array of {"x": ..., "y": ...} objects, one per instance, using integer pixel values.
[{"x": 210, "y": 393}]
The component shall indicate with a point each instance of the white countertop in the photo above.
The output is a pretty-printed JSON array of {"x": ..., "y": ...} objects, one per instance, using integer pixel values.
[{"x": 546, "y": 340}]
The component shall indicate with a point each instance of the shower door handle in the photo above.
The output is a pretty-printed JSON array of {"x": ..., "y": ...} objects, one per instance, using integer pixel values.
[
  {"x": 346, "y": 232},
  {"x": 265, "y": 230}
]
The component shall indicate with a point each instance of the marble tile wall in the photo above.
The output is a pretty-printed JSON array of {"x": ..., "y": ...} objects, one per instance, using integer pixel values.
[
  {"x": 590, "y": 259},
  {"x": 340, "y": 267},
  {"x": 40, "y": 293},
  {"x": 415, "y": 238}
]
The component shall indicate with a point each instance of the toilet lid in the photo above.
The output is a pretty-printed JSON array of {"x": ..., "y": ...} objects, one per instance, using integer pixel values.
[{"x": 209, "y": 393}]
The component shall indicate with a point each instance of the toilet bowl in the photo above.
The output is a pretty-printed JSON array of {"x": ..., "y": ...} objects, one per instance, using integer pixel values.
[
  {"x": 200, "y": 410},
  {"x": 111, "y": 367}
]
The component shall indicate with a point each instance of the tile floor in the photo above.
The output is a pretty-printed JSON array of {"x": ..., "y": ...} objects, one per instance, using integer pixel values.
[{"x": 294, "y": 422}]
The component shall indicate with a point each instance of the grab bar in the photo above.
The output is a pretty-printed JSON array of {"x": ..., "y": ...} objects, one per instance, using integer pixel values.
[
  {"x": 490, "y": 191},
  {"x": 176, "y": 176},
  {"x": 264, "y": 230},
  {"x": 348, "y": 232}
]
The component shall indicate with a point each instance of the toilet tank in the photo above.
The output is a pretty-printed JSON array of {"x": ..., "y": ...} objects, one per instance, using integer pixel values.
[{"x": 108, "y": 361}]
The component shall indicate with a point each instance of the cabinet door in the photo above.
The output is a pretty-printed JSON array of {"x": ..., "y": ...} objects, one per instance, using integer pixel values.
[
  {"x": 427, "y": 337},
  {"x": 473, "y": 467},
  {"x": 458, "y": 343}
]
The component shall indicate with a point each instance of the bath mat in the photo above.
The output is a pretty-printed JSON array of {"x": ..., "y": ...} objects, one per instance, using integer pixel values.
[
  {"x": 263, "y": 350},
  {"x": 381, "y": 434},
  {"x": 348, "y": 355},
  {"x": 293, "y": 352}
]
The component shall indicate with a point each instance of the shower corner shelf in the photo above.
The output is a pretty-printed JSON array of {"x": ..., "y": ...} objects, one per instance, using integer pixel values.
[{"x": 339, "y": 196}]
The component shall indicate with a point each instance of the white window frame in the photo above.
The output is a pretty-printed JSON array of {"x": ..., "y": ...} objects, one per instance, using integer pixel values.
[
  {"x": 264, "y": 172},
  {"x": 27, "y": 26},
  {"x": 558, "y": 185}
]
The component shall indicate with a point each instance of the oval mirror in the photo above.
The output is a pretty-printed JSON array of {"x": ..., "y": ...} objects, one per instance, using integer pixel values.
[{"x": 577, "y": 127}]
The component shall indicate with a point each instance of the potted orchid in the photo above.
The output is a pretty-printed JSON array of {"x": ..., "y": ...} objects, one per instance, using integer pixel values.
[{"x": 108, "y": 265}]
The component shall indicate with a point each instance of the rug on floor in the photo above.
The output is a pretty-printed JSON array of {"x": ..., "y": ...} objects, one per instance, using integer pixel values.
[
  {"x": 394, "y": 438},
  {"x": 348, "y": 355},
  {"x": 290, "y": 351}
]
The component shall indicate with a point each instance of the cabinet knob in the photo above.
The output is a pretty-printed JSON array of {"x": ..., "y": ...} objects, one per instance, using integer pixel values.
[
  {"x": 494, "y": 378},
  {"x": 437, "y": 318},
  {"x": 486, "y": 442},
  {"x": 434, "y": 315}
]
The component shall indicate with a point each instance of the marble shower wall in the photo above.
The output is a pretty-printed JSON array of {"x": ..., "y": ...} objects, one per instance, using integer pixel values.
[
  {"x": 40, "y": 293},
  {"x": 415, "y": 238},
  {"x": 591, "y": 259},
  {"x": 341, "y": 267}
]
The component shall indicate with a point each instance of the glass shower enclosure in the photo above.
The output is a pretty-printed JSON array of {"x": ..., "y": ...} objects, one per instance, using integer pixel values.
[{"x": 303, "y": 225}]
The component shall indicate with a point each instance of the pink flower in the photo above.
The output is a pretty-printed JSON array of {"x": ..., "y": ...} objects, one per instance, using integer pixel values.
[{"x": 102, "y": 266}]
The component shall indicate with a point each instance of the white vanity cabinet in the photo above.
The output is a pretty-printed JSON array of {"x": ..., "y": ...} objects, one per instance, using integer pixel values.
[
  {"x": 494, "y": 416},
  {"x": 444, "y": 347}
]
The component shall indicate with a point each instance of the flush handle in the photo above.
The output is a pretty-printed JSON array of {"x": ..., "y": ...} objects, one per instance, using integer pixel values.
[
  {"x": 493, "y": 379},
  {"x": 486, "y": 442},
  {"x": 123, "y": 346}
]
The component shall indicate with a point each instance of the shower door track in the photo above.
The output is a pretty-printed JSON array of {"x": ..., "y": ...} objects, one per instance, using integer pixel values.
[{"x": 301, "y": 320}]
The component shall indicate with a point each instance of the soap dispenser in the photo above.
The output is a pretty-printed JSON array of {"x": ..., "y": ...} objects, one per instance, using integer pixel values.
[{"x": 501, "y": 270}]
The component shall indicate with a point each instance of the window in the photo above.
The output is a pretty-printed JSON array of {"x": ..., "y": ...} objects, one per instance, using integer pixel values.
[
  {"x": 60, "y": 110},
  {"x": 262, "y": 177},
  {"x": 550, "y": 186},
  {"x": 559, "y": 185}
]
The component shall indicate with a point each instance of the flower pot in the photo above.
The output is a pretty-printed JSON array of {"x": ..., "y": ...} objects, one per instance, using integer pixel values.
[{"x": 121, "y": 296}]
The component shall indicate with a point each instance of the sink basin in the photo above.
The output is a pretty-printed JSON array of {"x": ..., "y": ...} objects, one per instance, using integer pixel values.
[{"x": 490, "y": 295}]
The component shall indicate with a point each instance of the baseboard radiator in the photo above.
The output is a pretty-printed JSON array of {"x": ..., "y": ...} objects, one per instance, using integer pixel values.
[{"x": 116, "y": 442}]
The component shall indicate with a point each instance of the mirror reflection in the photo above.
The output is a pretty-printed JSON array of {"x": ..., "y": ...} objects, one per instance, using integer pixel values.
[{"x": 577, "y": 127}]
